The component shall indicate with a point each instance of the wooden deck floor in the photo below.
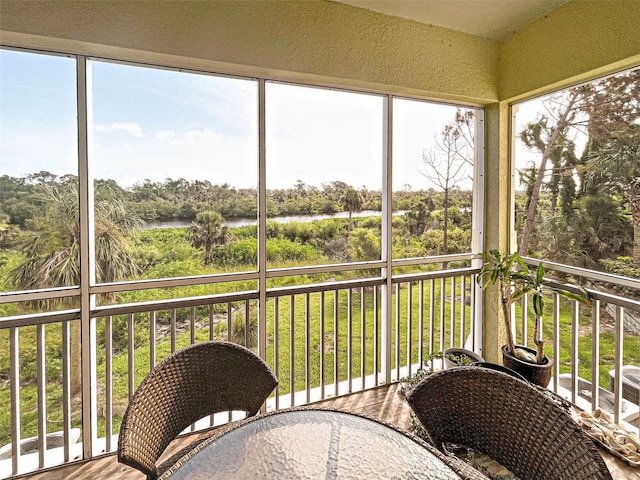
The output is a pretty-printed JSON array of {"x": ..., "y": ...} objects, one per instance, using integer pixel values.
[{"x": 385, "y": 403}]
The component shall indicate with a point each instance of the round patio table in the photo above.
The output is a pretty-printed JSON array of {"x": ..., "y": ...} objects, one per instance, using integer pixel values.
[{"x": 303, "y": 443}]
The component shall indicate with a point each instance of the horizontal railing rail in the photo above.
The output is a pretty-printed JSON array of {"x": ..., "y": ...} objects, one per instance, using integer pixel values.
[
  {"x": 134, "y": 285},
  {"x": 33, "y": 319},
  {"x": 586, "y": 274}
]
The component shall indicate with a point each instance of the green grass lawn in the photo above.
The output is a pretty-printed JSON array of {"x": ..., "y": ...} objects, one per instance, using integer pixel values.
[{"x": 631, "y": 343}]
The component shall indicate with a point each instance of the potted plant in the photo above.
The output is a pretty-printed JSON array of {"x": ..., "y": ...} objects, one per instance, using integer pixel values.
[{"x": 514, "y": 279}]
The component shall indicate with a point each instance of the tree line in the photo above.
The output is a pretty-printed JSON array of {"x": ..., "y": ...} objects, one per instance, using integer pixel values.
[
  {"x": 21, "y": 198},
  {"x": 39, "y": 217}
]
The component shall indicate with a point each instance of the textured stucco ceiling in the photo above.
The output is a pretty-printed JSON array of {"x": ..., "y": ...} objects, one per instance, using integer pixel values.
[{"x": 493, "y": 19}]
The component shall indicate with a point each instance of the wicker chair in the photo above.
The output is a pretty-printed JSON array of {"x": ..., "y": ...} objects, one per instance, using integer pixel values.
[
  {"x": 196, "y": 381},
  {"x": 508, "y": 420}
]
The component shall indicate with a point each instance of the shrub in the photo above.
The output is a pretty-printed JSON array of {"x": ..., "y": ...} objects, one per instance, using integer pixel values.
[
  {"x": 279, "y": 249},
  {"x": 241, "y": 252},
  {"x": 364, "y": 245}
]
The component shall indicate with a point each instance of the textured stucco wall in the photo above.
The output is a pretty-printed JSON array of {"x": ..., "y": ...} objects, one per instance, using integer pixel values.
[
  {"x": 333, "y": 43},
  {"x": 322, "y": 41},
  {"x": 574, "y": 43}
]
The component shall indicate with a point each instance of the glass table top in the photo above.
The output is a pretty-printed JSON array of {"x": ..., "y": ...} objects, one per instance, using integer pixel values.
[{"x": 311, "y": 444}]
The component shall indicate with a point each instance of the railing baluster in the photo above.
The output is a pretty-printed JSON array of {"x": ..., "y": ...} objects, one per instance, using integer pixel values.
[
  {"x": 192, "y": 325},
  {"x": 421, "y": 323},
  {"x": 247, "y": 324},
  {"x": 322, "y": 333},
  {"x": 192, "y": 340},
  {"x": 363, "y": 338},
  {"x": 130, "y": 355},
  {"x": 575, "y": 325},
  {"x": 173, "y": 333},
  {"x": 292, "y": 350},
  {"x": 443, "y": 326},
  {"x": 432, "y": 319},
  {"x": 152, "y": 339},
  {"x": 42, "y": 395},
  {"x": 452, "y": 311},
  {"x": 409, "y": 326},
  {"x": 108, "y": 370},
  {"x": 556, "y": 346},
  {"x": 276, "y": 345},
  {"x": 619, "y": 347},
  {"x": 14, "y": 367},
  {"x": 397, "y": 330},
  {"x": 229, "y": 321},
  {"x": 66, "y": 387},
  {"x": 211, "y": 322},
  {"x": 336, "y": 377},
  {"x": 212, "y": 417},
  {"x": 474, "y": 320},
  {"x": 376, "y": 336},
  {"x": 463, "y": 310},
  {"x": 595, "y": 353},
  {"x": 307, "y": 347},
  {"x": 349, "y": 340}
]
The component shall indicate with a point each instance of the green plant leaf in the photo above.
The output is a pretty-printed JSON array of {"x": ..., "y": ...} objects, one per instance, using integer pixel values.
[
  {"x": 538, "y": 304},
  {"x": 585, "y": 298},
  {"x": 539, "y": 273}
]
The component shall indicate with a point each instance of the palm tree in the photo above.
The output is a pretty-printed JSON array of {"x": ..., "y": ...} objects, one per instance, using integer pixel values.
[
  {"x": 616, "y": 167},
  {"x": 352, "y": 201},
  {"x": 208, "y": 230},
  {"x": 52, "y": 250}
]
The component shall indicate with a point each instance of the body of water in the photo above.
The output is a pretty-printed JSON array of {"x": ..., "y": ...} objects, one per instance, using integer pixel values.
[{"x": 241, "y": 222}]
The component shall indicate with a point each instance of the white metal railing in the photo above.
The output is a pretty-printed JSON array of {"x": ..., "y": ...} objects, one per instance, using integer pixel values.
[
  {"x": 322, "y": 340},
  {"x": 604, "y": 334}
]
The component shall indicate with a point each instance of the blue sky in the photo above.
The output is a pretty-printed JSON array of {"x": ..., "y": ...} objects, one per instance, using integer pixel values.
[
  {"x": 150, "y": 123},
  {"x": 37, "y": 114}
]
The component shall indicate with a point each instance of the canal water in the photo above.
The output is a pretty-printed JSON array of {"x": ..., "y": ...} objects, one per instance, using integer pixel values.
[{"x": 241, "y": 222}]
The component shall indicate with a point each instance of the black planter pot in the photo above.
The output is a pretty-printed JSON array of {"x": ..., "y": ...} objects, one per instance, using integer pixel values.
[
  {"x": 499, "y": 368},
  {"x": 538, "y": 373},
  {"x": 458, "y": 353}
]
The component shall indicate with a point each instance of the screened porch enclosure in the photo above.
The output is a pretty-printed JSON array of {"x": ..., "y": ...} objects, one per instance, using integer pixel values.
[{"x": 314, "y": 180}]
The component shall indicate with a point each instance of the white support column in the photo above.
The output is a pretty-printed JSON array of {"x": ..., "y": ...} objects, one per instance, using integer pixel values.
[
  {"x": 87, "y": 258},
  {"x": 387, "y": 210},
  {"x": 262, "y": 222},
  {"x": 477, "y": 228}
]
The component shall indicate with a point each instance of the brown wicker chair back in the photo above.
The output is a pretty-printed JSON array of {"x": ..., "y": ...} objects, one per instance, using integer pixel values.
[
  {"x": 194, "y": 382},
  {"x": 507, "y": 419}
]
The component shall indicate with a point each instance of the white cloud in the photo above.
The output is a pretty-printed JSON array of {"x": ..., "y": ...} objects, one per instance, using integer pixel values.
[
  {"x": 131, "y": 128},
  {"x": 44, "y": 147},
  {"x": 165, "y": 135},
  {"x": 200, "y": 139},
  {"x": 194, "y": 154}
]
